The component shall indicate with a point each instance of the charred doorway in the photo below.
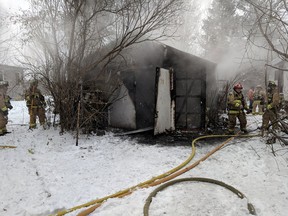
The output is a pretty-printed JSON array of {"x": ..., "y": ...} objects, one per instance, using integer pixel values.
[
  {"x": 180, "y": 100},
  {"x": 190, "y": 101}
]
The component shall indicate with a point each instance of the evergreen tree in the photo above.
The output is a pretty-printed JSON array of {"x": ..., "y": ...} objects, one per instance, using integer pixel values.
[{"x": 220, "y": 29}]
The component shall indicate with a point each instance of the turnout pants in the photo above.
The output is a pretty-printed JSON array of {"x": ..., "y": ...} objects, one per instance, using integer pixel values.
[
  {"x": 257, "y": 103},
  {"x": 3, "y": 123},
  {"x": 269, "y": 116},
  {"x": 34, "y": 113},
  {"x": 232, "y": 118}
]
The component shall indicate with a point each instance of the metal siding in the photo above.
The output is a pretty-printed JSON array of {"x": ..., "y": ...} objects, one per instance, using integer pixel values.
[{"x": 163, "y": 111}]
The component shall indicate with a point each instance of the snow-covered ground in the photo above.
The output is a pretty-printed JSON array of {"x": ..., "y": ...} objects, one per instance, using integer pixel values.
[{"x": 47, "y": 173}]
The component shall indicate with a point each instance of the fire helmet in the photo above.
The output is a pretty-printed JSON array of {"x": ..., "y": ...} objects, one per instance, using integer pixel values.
[
  {"x": 271, "y": 84},
  {"x": 238, "y": 86}
]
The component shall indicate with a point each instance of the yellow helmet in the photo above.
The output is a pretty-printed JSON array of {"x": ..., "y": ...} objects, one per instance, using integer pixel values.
[{"x": 271, "y": 84}]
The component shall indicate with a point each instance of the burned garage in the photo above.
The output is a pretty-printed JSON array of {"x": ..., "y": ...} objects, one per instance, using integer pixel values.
[{"x": 162, "y": 88}]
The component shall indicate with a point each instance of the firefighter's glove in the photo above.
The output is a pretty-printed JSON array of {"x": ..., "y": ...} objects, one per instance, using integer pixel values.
[
  {"x": 4, "y": 110},
  {"x": 249, "y": 111},
  {"x": 269, "y": 107}
]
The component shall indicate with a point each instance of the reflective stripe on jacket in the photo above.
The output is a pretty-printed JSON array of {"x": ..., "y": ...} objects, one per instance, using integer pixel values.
[{"x": 233, "y": 101}]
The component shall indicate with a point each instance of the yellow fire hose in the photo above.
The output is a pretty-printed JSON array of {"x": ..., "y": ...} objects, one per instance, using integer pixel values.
[
  {"x": 129, "y": 190},
  {"x": 148, "y": 201},
  {"x": 164, "y": 179},
  {"x": 152, "y": 182},
  {"x": 8, "y": 146},
  {"x": 180, "y": 172}
]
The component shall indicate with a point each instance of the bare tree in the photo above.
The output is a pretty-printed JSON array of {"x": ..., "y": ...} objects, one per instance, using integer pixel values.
[
  {"x": 3, "y": 38},
  {"x": 221, "y": 29},
  {"x": 270, "y": 24},
  {"x": 187, "y": 36},
  {"x": 72, "y": 41},
  {"x": 267, "y": 25}
]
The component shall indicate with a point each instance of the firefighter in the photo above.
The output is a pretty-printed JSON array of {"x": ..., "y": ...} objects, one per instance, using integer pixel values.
[
  {"x": 236, "y": 104},
  {"x": 272, "y": 105},
  {"x": 250, "y": 94},
  {"x": 36, "y": 104},
  {"x": 258, "y": 100},
  {"x": 4, "y": 106},
  {"x": 281, "y": 101}
]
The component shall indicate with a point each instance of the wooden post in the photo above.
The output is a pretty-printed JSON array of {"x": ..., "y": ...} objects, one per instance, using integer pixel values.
[{"x": 78, "y": 112}]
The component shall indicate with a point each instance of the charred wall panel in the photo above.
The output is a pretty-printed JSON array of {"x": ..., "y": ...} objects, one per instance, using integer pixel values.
[
  {"x": 122, "y": 113},
  {"x": 147, "y": 57},
  {"x": 145, "y": 96},
  {"x": 189, "y": 103}
]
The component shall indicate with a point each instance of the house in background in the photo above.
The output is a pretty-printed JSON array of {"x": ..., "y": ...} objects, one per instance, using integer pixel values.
[
  {"x": 280, "y": 76},
  {"x": 14, "y": 76},
  {"x": 162, "y": 88}
]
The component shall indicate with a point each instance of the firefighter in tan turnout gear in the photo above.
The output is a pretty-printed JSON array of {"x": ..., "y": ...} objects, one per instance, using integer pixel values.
[
  {"x": 236, "y": 104},
  {"x": 36, "y": 104},
  {"x": 4, "y": 106},
  {"x": 258, "y": 100},
  {"x": 272, "y": 105}
]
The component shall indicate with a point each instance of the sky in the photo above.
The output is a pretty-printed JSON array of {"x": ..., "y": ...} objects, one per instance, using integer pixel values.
[
  {"x": 9, "y": 45},
  {"x": 47, "y": 173},
  {"x": 13, "y": 5}
]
